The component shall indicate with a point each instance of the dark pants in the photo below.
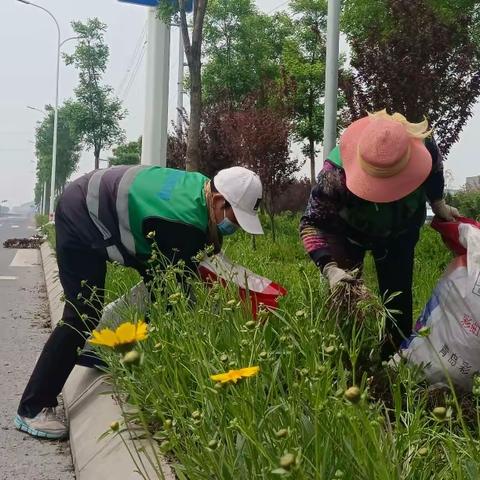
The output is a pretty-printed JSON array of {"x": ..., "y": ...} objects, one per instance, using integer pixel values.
[
  {"x": 394, "y": 261},
  {"x": 81, "y": 267}
]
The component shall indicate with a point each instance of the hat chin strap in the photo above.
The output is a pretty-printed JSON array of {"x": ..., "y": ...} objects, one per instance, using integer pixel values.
[{"x": 384, "y": 172}]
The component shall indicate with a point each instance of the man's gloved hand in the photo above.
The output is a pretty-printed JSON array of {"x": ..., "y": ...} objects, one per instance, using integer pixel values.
[
  {"x": 444, "y": 211},
  {"x": 336, "y": 275}
]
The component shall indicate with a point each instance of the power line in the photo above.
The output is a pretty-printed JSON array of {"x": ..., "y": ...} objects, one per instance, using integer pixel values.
[
  {"x": 134, "y": 73},
  {"x": 134, "y": 57},
  {"x": 278, "y": 7}
]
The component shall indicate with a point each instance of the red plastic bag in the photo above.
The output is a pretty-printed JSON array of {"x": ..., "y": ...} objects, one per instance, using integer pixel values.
[
  {"x": 450, "y": 234},
  {"x": 261, "y": 290}
]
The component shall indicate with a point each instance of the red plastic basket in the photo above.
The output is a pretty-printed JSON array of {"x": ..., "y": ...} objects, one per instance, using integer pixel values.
[
  {"x": 268, "y": 296},
  {"x": 450, "y": 234}
]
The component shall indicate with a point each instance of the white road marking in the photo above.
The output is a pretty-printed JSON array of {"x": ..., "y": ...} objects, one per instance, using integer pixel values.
[
  {"x": 6, "y": 277},
  {"x": 26, "y": 257},
  {"x": 15, "y": 226},
  {"x": 31, "y": 228}
]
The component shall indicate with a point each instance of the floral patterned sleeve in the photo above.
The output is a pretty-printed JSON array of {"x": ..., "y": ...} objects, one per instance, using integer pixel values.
[{"x": 321, "y": 223}]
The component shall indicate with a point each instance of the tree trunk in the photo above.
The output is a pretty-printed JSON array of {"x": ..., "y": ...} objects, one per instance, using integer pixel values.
[
  {"x": 193, "y": 140},
  {"x": 272, "y": 223},
  {"x": 96, "y": 154},
  {"x": 311, "y": 154},
  {"x": 193, "y": 51}
]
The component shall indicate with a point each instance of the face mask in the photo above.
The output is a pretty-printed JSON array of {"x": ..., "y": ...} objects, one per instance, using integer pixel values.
[{"x": 226, "y": 226}]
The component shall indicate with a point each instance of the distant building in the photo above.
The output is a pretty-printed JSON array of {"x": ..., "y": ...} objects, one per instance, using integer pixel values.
[
  {"x": 473, "y": 183},
  {"x": 25, "y": 209}
]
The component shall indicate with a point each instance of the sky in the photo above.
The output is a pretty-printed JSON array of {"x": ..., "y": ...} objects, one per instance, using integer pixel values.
[{"x": 27, "y": 78}]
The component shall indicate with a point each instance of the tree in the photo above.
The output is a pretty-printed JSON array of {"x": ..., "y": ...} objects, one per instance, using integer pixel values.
[
  {"x": 254, "y": 135},
  {"x": 243, "y": 49},
  {"x": 215, "y": 145},
  {"x": 97, "y": 111},
  {"x": 68, "y": 150},
  {"x": 127, "y": 154},
  {"x": 417, "y": 57},
  {"x": 193, "y": 52},
  {"x": 260, "y": 141},
  {"x": 304, "y": 60}
]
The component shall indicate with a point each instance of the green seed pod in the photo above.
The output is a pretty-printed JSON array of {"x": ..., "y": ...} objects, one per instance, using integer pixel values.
[
  {"x": 196, "y": 415},
  {"x": 338, "y": 474},
  {"x": 287, "y": 460},
  {"x": 282, "y": 433},
  {"x": 353, "y": 394},
  {"x": 213, "y": 444},
  {"x": 114, "y": 426},
  {"x": 263, "y": 355},
  {"x": 423, "y": 452},
  {"x": 251, "y": 324},
  {"x": 132, "y": 358},
  {"x": 224, "y": 358},
  {"x": 440, "y": 413},
  {"x": 167, "y": 424},
  {"x": 330, "y": 349}
]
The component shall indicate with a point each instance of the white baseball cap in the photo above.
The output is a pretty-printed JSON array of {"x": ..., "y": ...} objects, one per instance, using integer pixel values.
[{"x": 242, "y": 189}]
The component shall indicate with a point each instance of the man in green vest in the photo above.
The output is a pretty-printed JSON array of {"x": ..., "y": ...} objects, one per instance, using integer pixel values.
[
  {"x": 371, "y": 195},
  {"x": 108, "y": 215}
]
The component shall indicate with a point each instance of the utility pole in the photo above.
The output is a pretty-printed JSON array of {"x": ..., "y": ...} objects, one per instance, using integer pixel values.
[
  {"x": 331, "y": 77},
  {"x": 154, "y": 144}
]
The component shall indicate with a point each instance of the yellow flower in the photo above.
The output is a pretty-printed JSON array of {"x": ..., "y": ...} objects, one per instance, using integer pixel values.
[
  {"x": 125, "y": 335},
  {"x": 235, "y": 375}
]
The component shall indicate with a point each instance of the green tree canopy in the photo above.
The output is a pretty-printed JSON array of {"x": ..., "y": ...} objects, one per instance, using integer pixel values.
[
  {"x": 242, "y": 48},
  {"x": 97, "y": 112},
  {"x": 417, "y": 57},
  {"x": 127, "y": 154},
  {"x": 68, "y": 149}
]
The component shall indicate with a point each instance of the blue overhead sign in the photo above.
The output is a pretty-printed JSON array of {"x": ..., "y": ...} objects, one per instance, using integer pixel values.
[{"x": 154, "y": 3}]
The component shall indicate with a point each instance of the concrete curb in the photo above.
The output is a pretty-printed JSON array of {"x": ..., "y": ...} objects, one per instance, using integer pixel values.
[{"x": 91, "y": 409}]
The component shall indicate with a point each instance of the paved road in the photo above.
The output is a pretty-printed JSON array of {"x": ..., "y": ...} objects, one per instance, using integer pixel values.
[{"x": 23, "y": 331}]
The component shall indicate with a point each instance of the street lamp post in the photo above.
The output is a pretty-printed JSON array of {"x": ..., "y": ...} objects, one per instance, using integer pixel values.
[
  {"x": 36, "y": 109},
  {"x": 331, "y": 77},
  {"x": 55, "y": 118}
]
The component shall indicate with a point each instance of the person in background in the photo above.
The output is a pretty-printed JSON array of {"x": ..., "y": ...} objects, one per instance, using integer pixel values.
[
  {"x": 371, "y": 196},
  {"x": 107, "y": 215}
]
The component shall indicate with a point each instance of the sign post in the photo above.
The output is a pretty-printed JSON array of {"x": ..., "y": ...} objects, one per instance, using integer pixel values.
[{"x": 154, "y": 142}]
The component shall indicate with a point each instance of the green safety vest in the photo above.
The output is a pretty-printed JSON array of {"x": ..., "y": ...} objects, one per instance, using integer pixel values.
[
  {"x": 380, "y": 219},
  {"x": 167, "y": 194}
]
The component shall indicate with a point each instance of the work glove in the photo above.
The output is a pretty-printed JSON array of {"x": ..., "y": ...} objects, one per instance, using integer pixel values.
[
  {"x": 444, "y": 211},
  {"x": 336, "y": 275}
]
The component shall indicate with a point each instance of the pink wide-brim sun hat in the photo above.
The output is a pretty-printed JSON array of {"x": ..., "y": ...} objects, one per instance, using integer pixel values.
[{"x": 382, "y": 162}]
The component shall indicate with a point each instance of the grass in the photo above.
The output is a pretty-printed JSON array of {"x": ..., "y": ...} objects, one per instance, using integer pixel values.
[{"x": 298, "y": 418}]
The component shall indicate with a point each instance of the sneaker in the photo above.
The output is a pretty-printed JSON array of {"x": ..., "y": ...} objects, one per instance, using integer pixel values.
[{"x": 45, "y": 425}]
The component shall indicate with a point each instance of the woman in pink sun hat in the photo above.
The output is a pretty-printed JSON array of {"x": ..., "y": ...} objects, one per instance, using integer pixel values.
[{"x": 371, "y": 196}]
